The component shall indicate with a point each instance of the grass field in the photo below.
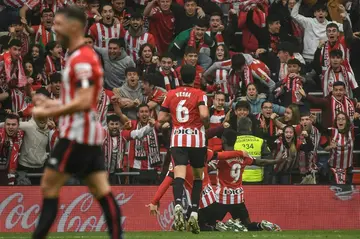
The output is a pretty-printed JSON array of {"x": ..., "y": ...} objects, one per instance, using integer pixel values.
[{"x": 202, "y": 235}]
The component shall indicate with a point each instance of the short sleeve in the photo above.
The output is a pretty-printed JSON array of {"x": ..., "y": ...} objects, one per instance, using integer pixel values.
[
  {"x": 202, "y": 99},
  {"x": 87, "y": 70},
  {"x": 248, "y": 161},
  {"x": 32, "y": 3},
  {"x": 166, "y": 104}
]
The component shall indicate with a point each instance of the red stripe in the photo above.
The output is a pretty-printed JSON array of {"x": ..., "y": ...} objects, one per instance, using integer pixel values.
[
  {"x": 66, "y": 157},
  {"x": 112, "y": 208}
]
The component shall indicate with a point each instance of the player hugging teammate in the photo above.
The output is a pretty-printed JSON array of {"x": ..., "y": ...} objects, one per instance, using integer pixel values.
[{"x": 186, "y": 107}]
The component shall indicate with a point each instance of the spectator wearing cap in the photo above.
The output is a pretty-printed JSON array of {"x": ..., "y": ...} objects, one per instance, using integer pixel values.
[
  {"x": 116, "y": 61},
  {"x": 161, "y": 23},
  {"x": 314, "y": 28},
  {"x": 16, "y": 31},
  {"x": 136, "y": 36},
  {"x": 194, "y": 37}
]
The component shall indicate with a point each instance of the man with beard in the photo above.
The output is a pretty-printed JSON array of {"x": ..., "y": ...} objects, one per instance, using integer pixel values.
[
  {"x": 153, "y": 95},
  {"x": 54, "y": 61},
  {"x": 44, "y": 32},
  {"x": 107, "y": 28},
  {"x": 16, "y": 31},
  {"x": 144, "y": 155},
  {"x": 169, "y": 77},
  {"x": 161, "y": 23},
  {"x": 191, "y": 57},
  {"x": 78, "y": 150},
  {"x": 116, "y": 61},
  {"x": 10, "y": 142},
  {"x": 136, "y": 36},
  {"x": 121, "y": 12},
  {"x": 130, "y": 93},
  {"x": 194, "y": 37}
]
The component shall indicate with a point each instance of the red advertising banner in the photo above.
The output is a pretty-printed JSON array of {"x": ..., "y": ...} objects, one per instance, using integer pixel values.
[{"x": 291, "y": 207}]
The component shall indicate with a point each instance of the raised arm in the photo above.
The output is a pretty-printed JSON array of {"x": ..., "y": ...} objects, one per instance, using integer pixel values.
[{"x": 303, "y": 21}]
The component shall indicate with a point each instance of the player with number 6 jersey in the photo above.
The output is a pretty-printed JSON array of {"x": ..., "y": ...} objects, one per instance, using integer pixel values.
[{"x": 189, "y": 113}]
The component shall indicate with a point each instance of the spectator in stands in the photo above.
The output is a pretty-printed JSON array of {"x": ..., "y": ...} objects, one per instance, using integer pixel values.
[
  {"x": 16, "y": 31},
  {"x": 90, "y": 41},
  {"x": 130, "y": 93},
  {"x": 288, "y": 146},
  {"x": 255, "y": 100},
  {"x": 220, "y": 78},
  {"x": 122, "y": 12},
  {"x": 11, "y": 141},
  {"x": 337, "y": 101},
  {"x": 147, "y": 61},
  {"x": 169, "y": 77},
  {"x": 144, "y": 155},
  {"x": 36, "y": 55},
  {"x": 161, "y": 23},
  {"x": 107, "y": 28},
  {"x": 54, "y": 61},
  {"x": 217, "y": 116},
  {"x": 116, "y": 61},
  {"x": 341, "y": 146},
  {"x": 103, "y": 104},
  {"x": 10, "y": 11},
  {"x": 242, "y": 109},
  {"x": 153, "y": 95},
  {"x": 291, "y": 117},
  {"x": 136, "y": 36}
]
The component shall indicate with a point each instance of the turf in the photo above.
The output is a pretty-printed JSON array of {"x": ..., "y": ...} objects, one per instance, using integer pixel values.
[{"x": 202, "y": 235}]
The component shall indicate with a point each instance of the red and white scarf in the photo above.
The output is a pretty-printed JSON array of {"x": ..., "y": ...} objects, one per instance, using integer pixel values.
[
  {"x": 44, "y": 36},
  {"x": 102, "y": 107},
  {"x": 236, "y": 81},
  {"x": 22, "y": 79},
  {"x": 282, "y": 150},
  {"x": 197, "y": 44},
  {"x": 50, "y": 66},
  {"x": 218, "y": 37},
  {"x": 108, "y": 148},
  {"x": 266, "y": 128},
  {"x": 57, "y": 4},
  {"x": 293, "y": 85},
  {"x": 345, "y": 106},
  {"x": 147, "y": 148},
  {"x": 329, "y": 78},
  {"x": 325, "y": 54},
  {"x": 221, "y": 78},
  {"x": 167, "y": 79},
  {"x": 16, "y": 143},
  {"x": 17, "y": 100}
]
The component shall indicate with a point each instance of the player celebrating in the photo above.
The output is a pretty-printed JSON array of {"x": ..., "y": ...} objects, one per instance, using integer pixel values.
[
  {"x": 229, "y": 191},
  {"x": 78, "y": 150},
  {"x": 189, "y": 114}
]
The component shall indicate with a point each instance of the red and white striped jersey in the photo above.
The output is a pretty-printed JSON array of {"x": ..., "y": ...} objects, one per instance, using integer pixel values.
[
  {"x": 55, "y": 5},
  {"x": 183, "y": 105},
  {"x": 133, "y": 44},
  {"x": 102, "y": 34},
  {"x": 50, "y": 65},
  {"x": 342, "y": 156},
  {"x": 229, "y": 179},
  {"x": 103, "y": 106},
  {"x": 20, "y": 3},
  {"x": 221, "y": 78},
  {"x": 42, "y": 35},
  {"x": 83, "y": 69}
]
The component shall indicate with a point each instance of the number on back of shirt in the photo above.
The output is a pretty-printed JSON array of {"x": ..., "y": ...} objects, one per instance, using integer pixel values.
[
  {"x": 235, "y": 172},
  {"x": 182, "y": 112}
]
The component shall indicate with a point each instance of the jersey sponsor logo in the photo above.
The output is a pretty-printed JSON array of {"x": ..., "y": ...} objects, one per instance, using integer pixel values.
[
  {"x": 207, "y": 190},
  {"x": 230, "y": 191},
  {"x": 83, "y": 71},
  {"x": 186, "y": 131}
]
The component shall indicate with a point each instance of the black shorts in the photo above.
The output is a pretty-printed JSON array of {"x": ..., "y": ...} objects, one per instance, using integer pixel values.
[
  {"x": 237, "y": 211},
  {"x": 185, "y": 155},
  {"x": 74, "y": 158}
]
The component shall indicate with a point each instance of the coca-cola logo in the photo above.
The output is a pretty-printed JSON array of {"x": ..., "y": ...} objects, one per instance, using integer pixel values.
[
  {"x": 166, "y": 218},
  {"x": 78, "y": 216}
]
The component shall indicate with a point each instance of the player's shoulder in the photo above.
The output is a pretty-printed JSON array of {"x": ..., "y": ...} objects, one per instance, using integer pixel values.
[{"x": 84, "y": 54}]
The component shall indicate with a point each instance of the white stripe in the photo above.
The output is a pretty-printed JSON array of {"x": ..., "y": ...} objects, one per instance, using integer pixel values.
[
  {"x": 92, "y": 129},
  {"x": 197, "y": 140},
  {"x": 188, "y": 140},
  {"x": 98, "y": 28}
]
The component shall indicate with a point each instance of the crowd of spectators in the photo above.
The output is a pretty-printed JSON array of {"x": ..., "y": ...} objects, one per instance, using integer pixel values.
[{"x": 283, "y": 71}]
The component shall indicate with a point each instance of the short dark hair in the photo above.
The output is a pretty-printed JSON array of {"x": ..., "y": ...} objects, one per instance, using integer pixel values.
[
  {"x": 336, "y": 53},
  {"x": 113, "y": 118},
  {"x": 55, "y": 77},
  {"x": 46, "y": 10},
  {"x": 265, "y": 102},
  {"x": 167, "y": 55},
  {"x": 216, "y": 14},
  {"x": 294, "y": 62},
  {"x": 242, "y": 104},
  {"x": 152, "y": 79},
  {"x": 200, "y": 22},
  {"x": 136, "y": 15},
  {"x": 141, "y": 106},
  {"x": 12, "y": 116},
  {"x": 237, "y": 61},
  {"x": 188, "y": 74},
  {"x": 43, "y": 91},
  {"x": 339, "y": 83},
  {"x": 186, "y": 1},
  {"x": 104, "y": 5},
  {"x": 220, "y": 93},
  {"x": 50, "y": 46},
  {"x": 75, "y": 13},
  {"x": 273, "y": 18},
  {"x": 190, "y": 50},
  {"x": 230, "y": 137},
  {"x": 286, "y": 47},
  {"x": 131, "y": 69},
  {"x": 89, "y": 36},
  {"x": 116, "y": 41},
  {"x": 319, "y": 6},
  {"x": 14, "y": 42},
  {"x": 332, "y": 25}
]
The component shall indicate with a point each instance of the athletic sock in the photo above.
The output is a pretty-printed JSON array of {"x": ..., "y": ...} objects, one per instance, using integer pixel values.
[
  {"x": 47, "y": 217},
  {"x": 195, "y": 195},
  {"x": 112, "y": 215},
  {"x": 254, "y": 226},
  {"x": 178, "y": 187}
]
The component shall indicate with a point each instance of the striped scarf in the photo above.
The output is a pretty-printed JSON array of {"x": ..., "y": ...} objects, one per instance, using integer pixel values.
[
  {"x": 50, "y": 65},
  {"x": 102, "y": 107},
  {"x": 282, "y": 150},
  {"x": 44, "y": 36},
  {"x": 108, "y": 148},
  {"x": 57, "y": 4},
  {"x": 236, "y": 81},
  {"x": 292, "y": 86},
  {"x": 167, "y": 79},
  {"x": 345, "y": 106},
  {"x": 148, "y": 147},
  {"x": 307, "y": 162},
  {"x": 197, "y": 44},
  {"x": 17, "y": 100},
  {"x": 221, "y": 79},
  {"x": 16, "y": 142},
  {"x": 19, "y": 70},
  {"x": 325, "y": 55},
  {"x": 329, "y": 78},
  {"x": 218, "y": 37},
  {"x": 266, "y": 128}
]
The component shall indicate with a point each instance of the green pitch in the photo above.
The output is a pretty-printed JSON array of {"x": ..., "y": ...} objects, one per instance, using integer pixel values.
[{"x": 202, "y": 235}]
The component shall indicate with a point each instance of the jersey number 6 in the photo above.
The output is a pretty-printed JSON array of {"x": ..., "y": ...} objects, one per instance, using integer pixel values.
[{"x": 182, "y": 112}]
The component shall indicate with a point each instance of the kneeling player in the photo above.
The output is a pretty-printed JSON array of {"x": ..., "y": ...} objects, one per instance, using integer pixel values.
[{"x": 229, "y": 191}]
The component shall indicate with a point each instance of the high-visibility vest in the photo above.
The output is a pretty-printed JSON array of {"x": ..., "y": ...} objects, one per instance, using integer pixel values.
[{"x": 252, "y": 145}]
